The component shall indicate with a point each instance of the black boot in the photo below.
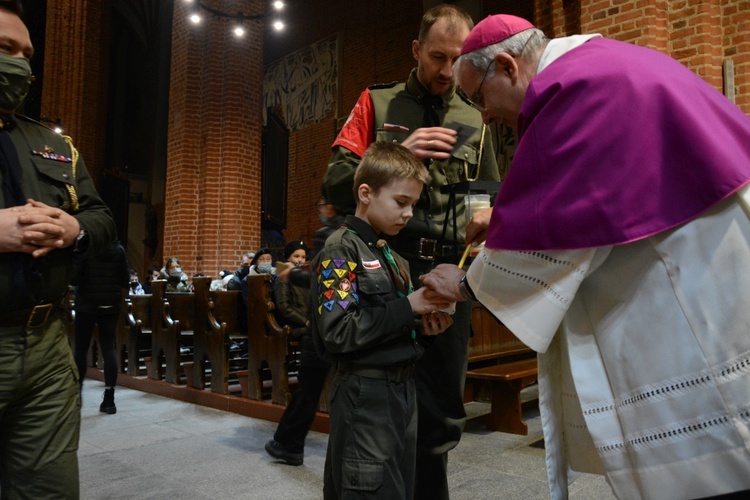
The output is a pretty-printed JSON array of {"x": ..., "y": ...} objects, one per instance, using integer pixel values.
[{"x": 108, "y": 403}]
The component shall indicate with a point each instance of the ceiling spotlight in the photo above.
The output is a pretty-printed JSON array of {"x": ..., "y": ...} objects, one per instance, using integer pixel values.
[
  {"x": 278, "y": 25},
  {"x": 278, "y": 5},
  {"x": 239, "y": 31},
  {"x": 195, "y": 17}
]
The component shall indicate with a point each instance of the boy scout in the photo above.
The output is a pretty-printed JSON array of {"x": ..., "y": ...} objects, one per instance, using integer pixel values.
[
  {"x": 364, "y": 320},
  {"x": 49, "y": 209},
  {"x": 424, "y": 114}
]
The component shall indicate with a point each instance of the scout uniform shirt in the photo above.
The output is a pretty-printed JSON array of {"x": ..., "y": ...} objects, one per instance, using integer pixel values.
[
  {"x": 392, "y": 113},
  {"x": 359, "y": 316}
]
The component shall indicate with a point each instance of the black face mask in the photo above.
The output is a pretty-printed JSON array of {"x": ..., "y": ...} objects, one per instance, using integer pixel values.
[
  {"x": 242, "y": 271},
  {"x": 15, "y": 80}
]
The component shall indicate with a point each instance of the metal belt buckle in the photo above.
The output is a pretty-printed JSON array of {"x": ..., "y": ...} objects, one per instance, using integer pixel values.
[
  {"x": 427, "y": 249},
  {"x": 39, "y": 316}
]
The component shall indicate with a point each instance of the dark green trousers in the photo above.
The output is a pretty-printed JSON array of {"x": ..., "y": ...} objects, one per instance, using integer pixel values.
[{"x": 40, "y": 414}]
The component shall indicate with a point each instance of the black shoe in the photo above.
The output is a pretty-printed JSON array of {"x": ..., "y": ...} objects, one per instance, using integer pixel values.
[
  {"x": 108, "y": 403},
  {"x": 279, "y": 451}
]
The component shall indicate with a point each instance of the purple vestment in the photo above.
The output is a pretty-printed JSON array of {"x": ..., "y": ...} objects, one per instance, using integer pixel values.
[{"x": 618, "y": 143}]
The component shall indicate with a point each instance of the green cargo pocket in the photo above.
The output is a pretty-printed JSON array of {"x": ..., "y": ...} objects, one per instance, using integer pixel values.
[{"x": 362, "y": 475}]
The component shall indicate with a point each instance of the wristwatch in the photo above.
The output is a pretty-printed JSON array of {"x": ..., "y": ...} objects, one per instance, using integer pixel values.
[
  {"x": 82, "y": 242},
  {"x": 465, "y": 289}
]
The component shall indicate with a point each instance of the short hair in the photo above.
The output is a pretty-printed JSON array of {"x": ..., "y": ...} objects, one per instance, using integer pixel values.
[
  {"x": 169, "y": 262},
  {"x": 453, "y": 13},
  {"x": 13, "y": 6},
  {"x": 385, "y": 161}
]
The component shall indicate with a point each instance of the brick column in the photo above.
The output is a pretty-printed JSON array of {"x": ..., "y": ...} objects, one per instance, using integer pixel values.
[
  {"x": 213, "y": 186},
  {"x": 75, "y": 75},
  {"x": 736, "y": 42}
]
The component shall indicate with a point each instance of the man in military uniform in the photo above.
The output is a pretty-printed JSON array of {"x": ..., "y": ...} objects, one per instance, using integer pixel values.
[
  {"x": 49, "y": 210},
  {"x": 441, "y": 128}
]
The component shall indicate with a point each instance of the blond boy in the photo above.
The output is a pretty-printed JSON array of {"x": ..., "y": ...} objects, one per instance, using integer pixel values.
[{"x": 364, "y": 322}]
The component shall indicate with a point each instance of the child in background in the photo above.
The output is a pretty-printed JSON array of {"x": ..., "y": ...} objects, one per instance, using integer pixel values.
[{"x": 364, "y": 322}]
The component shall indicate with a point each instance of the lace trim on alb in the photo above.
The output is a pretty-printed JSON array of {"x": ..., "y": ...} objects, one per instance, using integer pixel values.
[
  {"x": 720, "y": 374},
  {"x": 673, "y": 432},
  {"x": 562, "y": 301}
]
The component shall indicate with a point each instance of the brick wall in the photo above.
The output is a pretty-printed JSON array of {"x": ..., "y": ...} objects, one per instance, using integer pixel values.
[
  {"x": 75, "y": 75},
  {"x": 212, "y": 198},
  {"x": 700, "y": 34}
]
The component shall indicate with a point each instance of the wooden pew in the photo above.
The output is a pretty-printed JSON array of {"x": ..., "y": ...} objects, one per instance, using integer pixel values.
[
  {"x": 498, "y": 359},
  {"x": 216, "y": 327},
  {"x": 268, "y": 344},
  {"x": 492, "y": 341},
  {"x": 134, "y": 333},
  {"x": 172, "y": 318}
]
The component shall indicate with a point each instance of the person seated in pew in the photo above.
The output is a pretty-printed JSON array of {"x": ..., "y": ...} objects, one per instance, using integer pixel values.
[
  {"x": 261, "y": 263},
  {"x": 177, "y": 281},
  {"x": 151, "y": 274},
  {"x": 235, "y": 282},
  {"x": 135, "y": 285},
  {"x": 220, "y": 283}
]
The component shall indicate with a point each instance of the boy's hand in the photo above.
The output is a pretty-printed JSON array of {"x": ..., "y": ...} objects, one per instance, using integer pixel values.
[
  {"x": 422, "y": 303},
  {"x": 436, "y": 322}
]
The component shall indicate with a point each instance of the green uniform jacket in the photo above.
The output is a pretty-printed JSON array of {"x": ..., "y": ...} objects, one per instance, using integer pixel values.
[
  {"x": 397, "y": 111},
  {"x": 44, "y": 179}
]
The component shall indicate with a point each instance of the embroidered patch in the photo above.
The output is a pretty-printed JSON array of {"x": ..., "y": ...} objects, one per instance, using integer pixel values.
[
  {"x": 341, "y": 272},
  {"x": 335, "y": 281},
  {"x": 372, "y": 264}
]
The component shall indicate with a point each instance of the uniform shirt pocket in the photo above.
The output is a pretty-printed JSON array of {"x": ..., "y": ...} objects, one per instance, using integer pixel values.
[
  {"x": 374, "y": 281},
  {"x": 55, "y": 175}
]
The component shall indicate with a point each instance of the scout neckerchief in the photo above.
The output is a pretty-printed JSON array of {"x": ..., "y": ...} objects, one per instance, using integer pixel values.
[{"x": 397, "y": 270}]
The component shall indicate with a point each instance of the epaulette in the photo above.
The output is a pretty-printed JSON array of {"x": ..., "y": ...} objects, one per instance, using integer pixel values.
[
  {"x": 383, "y": 85},
  {"x": 31, "y": 120}
]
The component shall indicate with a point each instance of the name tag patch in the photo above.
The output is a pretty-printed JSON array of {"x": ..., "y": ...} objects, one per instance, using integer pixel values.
[{"x": 372, "y": 264}]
